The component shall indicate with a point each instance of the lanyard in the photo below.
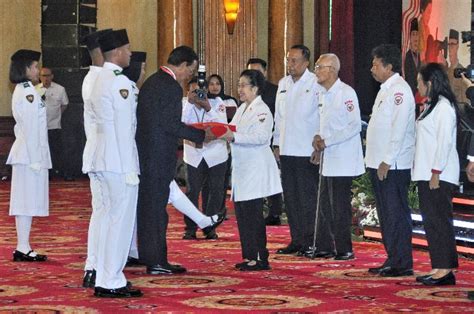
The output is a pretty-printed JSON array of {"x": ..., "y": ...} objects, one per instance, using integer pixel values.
[
  {"x": 197, "y": 115},
  {"x": 168, "y": 70}
]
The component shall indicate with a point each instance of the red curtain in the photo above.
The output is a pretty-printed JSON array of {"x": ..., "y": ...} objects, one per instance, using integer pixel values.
[{"x": 342, "y": 41}]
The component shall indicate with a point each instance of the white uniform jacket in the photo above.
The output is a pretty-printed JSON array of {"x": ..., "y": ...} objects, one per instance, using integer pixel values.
[
  {"x": 214, "y": 152},
  {"x": 114, "y": 103},
  {"x": 254, "y": 169},
  {"x": 391, "y": 130},
  {"x": 435, "y": 148},
  {"x": 90, "y": 124},
  {"x": 296, "y": 115},
  {"x": 340, "y": 127},
  {"x": 31, "y": 133},
  {"x": 54, "y": 97}
]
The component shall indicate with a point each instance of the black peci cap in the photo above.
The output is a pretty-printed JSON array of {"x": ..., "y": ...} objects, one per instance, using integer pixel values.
[
  {"x": 24, "y": 54},
  {"x": 453, "y": 34},
  {"x": 92, "y": 40},
  {"x": 133, "y": 71},
  {"x": 113, "y": 39},
  {"x": 414, "y": 25},
  {"x": 138, "y": 56}
]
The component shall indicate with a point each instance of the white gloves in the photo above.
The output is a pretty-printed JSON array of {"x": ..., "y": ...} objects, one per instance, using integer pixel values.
[
  {"x": 36, "y": 167},
  {"x": 131, "y": 178}
]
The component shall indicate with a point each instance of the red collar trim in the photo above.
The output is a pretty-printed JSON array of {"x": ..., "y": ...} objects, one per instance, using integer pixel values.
[{"x": 168, "y": 70}]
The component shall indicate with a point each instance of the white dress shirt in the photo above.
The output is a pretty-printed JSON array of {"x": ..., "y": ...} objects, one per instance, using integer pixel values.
[
  {"x": 391, "y": 130},
  {"x": 31, "y": 134},
  {"x": 54, "y": 97},
  {"x": 340, "y": 127},
  {"x": 114, "y": 102},
  {"x": 435, "y": 149},
  {"x": 254, "y": 169},
  {"x": 296, "y": 115},
  {"x": 214, "y": 152},
  {"x": 89, "y": 122}
]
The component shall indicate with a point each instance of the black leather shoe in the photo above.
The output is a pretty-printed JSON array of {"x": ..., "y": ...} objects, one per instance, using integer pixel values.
[
  {"x": 290, "y": 249},
  {"x": 22, "y": 257},
  {"x": 167, "y": 269},
  {"x": 189, "y": 236},
  {"x": 320, "y": 254},
  {"x": 239, "y": 265},
  {"x": 423, "y": 277},
  {"x": 470, "y": 295},
  {"x": 123, "y": 292},
  {"x": 133, "y": 262},
  {"x": 447, "y": 279},
  {"x": 396, "y": 272},
  {"x": 89, "y": 279},
  {"x": 215, "y": 223},
  {"x": 303, "y": 251},
  {"x": 344, "y": 256},
  {"x": 255, "y": 266},
  {"x": 212, "y": 235},
  {"x": 272, "y": 220},
  {"x": 378, "y": 270}
]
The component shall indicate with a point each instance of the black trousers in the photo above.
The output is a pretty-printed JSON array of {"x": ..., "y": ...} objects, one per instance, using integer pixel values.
[
  {"x": 275, "y": 204},
  {"x": 391, "y": 198},
  {"x": 152, "y": 219},
  {"x": 214, "y": 176},
  {"x": 55, "y": 142},
  {"x": 335, "y": 217},
  {"x": 252, "y": 229},
  {"x": 437, "y": 211},
  {"x": 300, "y": 183}
]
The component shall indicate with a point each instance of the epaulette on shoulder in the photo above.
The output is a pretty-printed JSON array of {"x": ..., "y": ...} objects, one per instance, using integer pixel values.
[
  {"x": 26, "y": 85},
  {"x": 118, "y": 72}
]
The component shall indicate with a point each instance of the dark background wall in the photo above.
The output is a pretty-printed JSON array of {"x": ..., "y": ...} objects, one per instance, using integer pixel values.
[{"x": 375, "y": 22}]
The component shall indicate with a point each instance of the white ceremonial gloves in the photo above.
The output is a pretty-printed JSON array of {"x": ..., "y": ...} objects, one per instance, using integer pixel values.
[{"x": 36, "y": 167}]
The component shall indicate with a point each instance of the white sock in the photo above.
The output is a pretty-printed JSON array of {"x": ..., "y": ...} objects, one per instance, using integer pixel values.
[
  {"x": 23, "y": 228},
  {"x": 186, "y": 207}
]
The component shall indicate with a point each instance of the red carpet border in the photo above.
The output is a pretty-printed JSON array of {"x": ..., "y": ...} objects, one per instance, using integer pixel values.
[{"x": 211, "y": 284}]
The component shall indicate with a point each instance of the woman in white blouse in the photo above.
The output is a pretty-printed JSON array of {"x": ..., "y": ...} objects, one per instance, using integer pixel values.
[
  {"x": 254, "y": 169},
  {"x": 436, "y": 170},
  {"x": 29, "y": 157}
]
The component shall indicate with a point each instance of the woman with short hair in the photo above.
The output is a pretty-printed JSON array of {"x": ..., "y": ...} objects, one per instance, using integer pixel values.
[
  {"x": 29, "y": 156},
  {"x": 436, "y": 171},
  {"x": 255, "y": 172}
]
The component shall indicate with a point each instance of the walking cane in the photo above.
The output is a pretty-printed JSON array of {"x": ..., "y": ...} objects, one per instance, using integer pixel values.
[{"x": 312, "y": 250}]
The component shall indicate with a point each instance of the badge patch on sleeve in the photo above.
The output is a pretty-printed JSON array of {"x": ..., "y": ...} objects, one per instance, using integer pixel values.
[
  {"x": 221, "y": 108},
  {"x": 262, "y": 117},
  {"x": 349, "y": 105},
  {"x": 398, "y": 98},
  {"x": 124, "y": 93},
  {"x": 30, "y": 98}
]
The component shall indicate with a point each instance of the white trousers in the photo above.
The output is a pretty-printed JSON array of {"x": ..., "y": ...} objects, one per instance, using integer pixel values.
[
  {"x": 115, "y": 220},
  {"x": 181, "y": 202},
  {"x": 92, "y": 243}
]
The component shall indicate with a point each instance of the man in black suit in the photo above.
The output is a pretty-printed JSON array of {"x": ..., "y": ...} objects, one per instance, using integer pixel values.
[
  {"x": 470, "y": 153},
  {"x": 275, "y": 202},
  {"x": 159, "y": 127},
  {"x": 412, "y": 57}
]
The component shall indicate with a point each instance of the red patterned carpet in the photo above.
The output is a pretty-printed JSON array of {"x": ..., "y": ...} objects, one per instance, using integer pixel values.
[{"x": 211, "y": 283}]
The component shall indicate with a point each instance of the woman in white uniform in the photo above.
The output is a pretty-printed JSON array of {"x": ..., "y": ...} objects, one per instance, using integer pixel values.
[
  {"x": 436, "y": 170},
  {"x": 254, "y": 169},
  {"x": 29, "y": 156}
]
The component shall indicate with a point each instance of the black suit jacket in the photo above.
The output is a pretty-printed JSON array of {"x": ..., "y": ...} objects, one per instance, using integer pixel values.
[
  {"x": 269, "y": 95},
  {"x": 470, "y": 96},
  {"x": 159, "y": 126},
  {"x": 411, "y": 70}
]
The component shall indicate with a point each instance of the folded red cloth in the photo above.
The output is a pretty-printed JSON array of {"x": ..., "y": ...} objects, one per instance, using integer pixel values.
[{"x": 217, "y": 128}]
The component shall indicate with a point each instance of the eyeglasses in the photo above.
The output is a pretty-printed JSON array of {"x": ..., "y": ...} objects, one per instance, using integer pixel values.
[
  {"x": 318, "y": 67},
  {"x": 243, "y": 85}
]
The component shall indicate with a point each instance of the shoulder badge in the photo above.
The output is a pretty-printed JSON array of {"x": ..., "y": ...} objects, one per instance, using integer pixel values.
[
  {"x": 262, "y": 117},
  {"x": 26, "y": 84},
  {"x": 30, "y": 98},
  {"x": 221, "y": 108},
  {"x": 117, "y": 72},
  {"x": 398, "y": 98},
  {"x": 124, "y": 93},
  {"x": 349, "y": 105}
]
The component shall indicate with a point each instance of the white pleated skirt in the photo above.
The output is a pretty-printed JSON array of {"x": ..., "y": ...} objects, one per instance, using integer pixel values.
[{"x": 29, "y": 194}]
